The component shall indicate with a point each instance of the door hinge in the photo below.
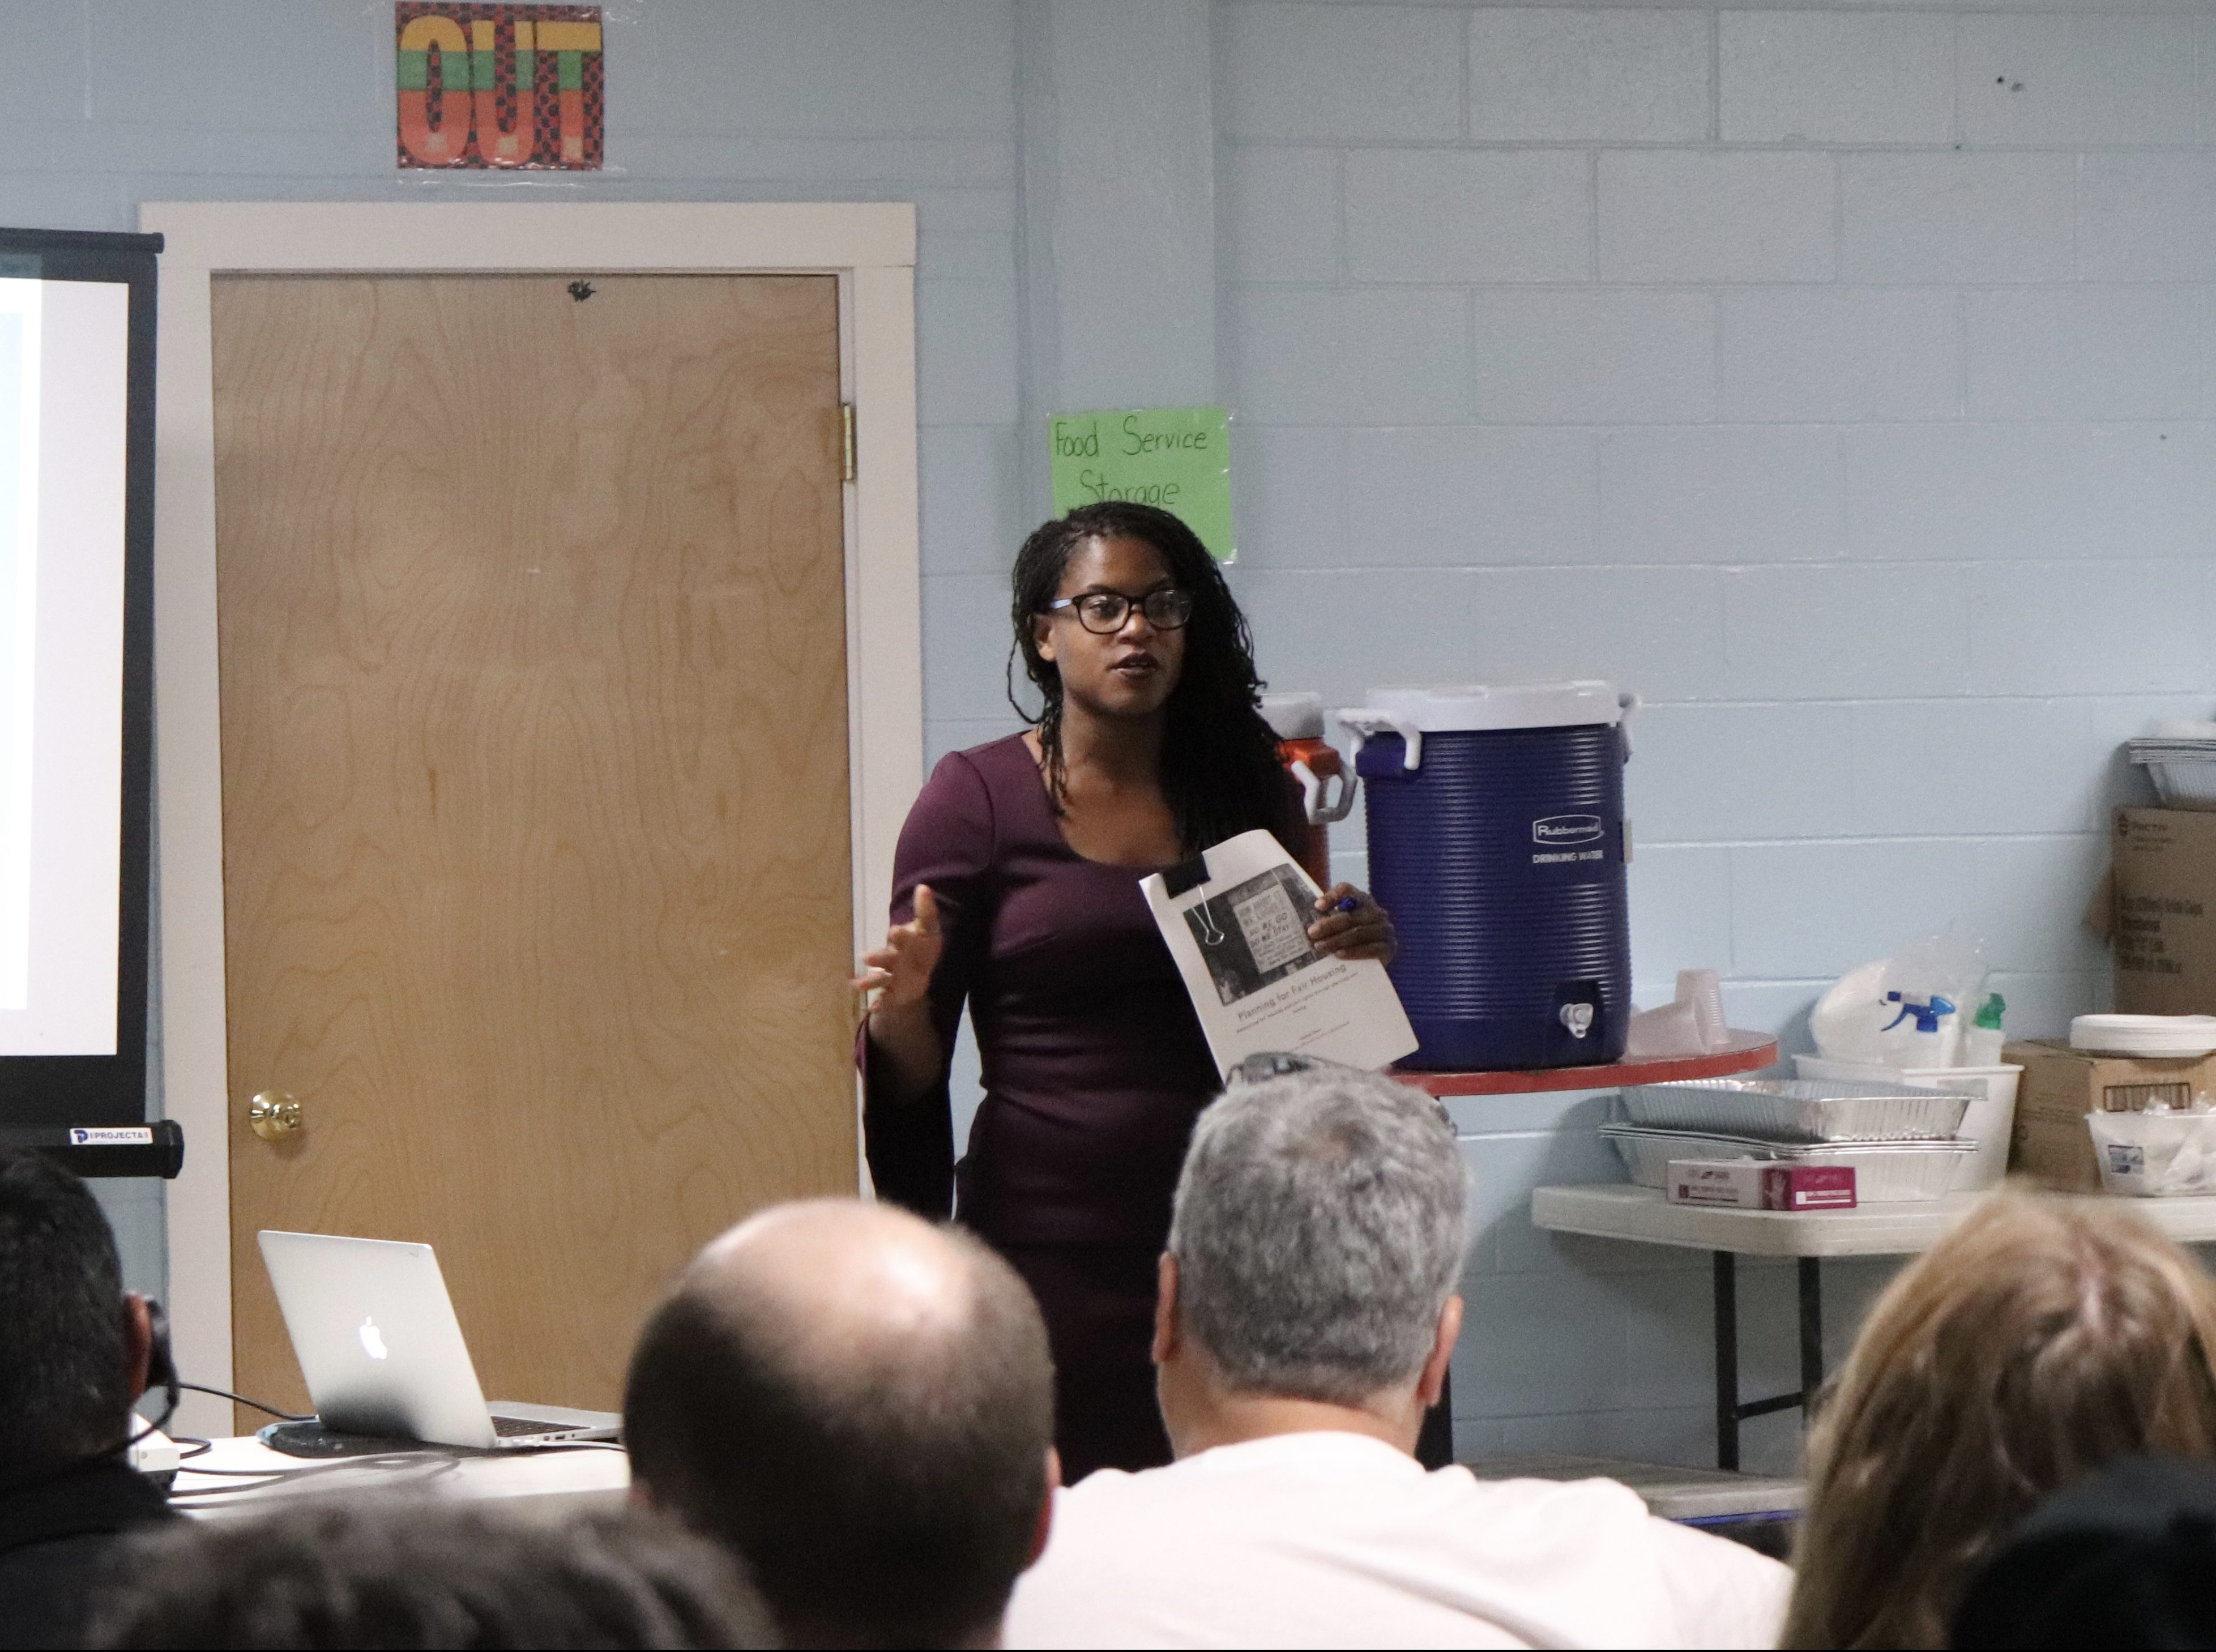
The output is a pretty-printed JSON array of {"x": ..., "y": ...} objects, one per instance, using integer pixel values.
[{"x": 847, "y": 440}]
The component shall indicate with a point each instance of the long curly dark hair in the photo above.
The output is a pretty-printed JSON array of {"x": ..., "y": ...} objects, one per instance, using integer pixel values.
[{"x": 1221, "y": 773}]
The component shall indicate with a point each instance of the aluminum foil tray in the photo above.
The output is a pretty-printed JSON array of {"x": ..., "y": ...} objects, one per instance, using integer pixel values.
[
  {"x": 1885, "y": 1173},
  {"x": 1799, "y": 1109}
]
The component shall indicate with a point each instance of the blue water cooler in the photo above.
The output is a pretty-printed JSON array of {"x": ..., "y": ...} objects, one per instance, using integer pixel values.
[{"x": 1497, "y": 842}]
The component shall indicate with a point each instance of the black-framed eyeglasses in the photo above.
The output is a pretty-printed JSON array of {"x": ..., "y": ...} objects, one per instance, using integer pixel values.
[{"x": 1106, "y": 613}]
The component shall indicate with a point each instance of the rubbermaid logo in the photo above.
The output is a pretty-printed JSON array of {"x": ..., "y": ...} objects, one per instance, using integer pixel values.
[{"x": 1567, "y": 828}]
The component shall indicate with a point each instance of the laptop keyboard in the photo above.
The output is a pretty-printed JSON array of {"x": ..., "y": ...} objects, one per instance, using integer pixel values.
[{"x": 515, "y": 1427}]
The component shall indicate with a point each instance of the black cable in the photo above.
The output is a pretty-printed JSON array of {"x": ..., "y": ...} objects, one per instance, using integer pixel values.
[{"x": 240, "y": 1399}]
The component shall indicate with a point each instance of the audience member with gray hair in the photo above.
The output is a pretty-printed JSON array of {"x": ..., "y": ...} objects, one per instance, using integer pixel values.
[
  {"x": 1358, "y": 1180},
  {"x": 1308, "y": 1310}
]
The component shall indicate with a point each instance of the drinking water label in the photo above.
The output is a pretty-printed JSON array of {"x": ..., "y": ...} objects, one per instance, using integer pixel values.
[{"x": 1567, "y": 838}]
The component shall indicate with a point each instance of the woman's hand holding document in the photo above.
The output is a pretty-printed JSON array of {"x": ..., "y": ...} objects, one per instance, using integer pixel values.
[{"x": 1236, "y": 918}]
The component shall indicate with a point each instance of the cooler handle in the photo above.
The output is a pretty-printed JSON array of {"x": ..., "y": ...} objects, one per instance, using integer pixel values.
[
  {"x": 1361, "y": 722},
  {"x": 1312, "y": 790},
  {"x": 1627, "y": 704}
]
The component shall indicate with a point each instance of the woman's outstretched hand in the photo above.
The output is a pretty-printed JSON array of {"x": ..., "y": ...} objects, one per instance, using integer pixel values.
[
  {"x": 1353, "y": 926},
  {"x": 899, "y": 972}
]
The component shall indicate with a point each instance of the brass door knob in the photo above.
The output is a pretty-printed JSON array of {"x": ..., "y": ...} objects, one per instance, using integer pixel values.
[{"x": 274, "y": 1115}]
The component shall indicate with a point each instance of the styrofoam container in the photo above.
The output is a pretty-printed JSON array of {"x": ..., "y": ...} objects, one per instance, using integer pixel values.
[
  {"x": 1987, "y": 1120},
  {"x": 1885, "y": 1173},
  {"x": 1798, "y": 1110}
]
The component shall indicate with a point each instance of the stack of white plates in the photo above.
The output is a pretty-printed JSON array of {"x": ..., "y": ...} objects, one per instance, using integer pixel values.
[
  {"x": 2174, "y": 1038},
  {"x": 2180, "y": 759}
]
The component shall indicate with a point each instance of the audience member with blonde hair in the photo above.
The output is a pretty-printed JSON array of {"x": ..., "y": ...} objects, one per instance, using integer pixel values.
[{"x": 2038, "y": 1341}]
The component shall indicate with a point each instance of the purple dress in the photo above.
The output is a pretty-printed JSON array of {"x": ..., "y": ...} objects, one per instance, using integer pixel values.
[{"x": 1094, "y": 1068}]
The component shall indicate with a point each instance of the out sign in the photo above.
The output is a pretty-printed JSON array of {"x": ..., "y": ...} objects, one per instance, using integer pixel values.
[{"x": 500, "y": 86}]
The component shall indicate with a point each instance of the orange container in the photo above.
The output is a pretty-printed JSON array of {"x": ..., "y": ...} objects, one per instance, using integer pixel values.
[{"x": 1326, "y": 783}]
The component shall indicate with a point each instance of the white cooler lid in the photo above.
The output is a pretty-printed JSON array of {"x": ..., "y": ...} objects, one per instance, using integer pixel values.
[{"x": 1446, "y": 708}]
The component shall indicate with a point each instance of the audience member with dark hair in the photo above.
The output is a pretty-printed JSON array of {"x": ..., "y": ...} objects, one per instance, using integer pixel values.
[
  {"x": 861, "y": 1406},
  {"x": 2125, "y": 1557},
  {"x": 1308, "y": 1310},
  {"x": 74, "y": 1349},
  {"x": 401, "y": 1573},
  {"x": 2038, "y": 1341}
]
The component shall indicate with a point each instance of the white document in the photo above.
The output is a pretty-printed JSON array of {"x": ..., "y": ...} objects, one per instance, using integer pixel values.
[{"x": 1239, "y": 936}]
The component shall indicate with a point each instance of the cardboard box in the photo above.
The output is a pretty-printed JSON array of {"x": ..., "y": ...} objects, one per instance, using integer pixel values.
[
  {"x": 2060, "y": 1085},
  {"x": 1749, "y": 1185},
  {"x": 2163, "y": 911},
  {"x": 1735, "y": 1184}
]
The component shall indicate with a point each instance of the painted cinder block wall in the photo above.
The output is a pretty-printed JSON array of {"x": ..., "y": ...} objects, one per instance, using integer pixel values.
[{"x": 1837, "y": 377}]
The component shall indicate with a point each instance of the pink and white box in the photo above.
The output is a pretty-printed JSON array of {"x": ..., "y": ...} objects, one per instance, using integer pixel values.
[{"x": 1753, "y": 1184}]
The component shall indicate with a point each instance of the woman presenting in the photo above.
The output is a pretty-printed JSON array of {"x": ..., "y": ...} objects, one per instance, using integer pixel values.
[{"x": 1016, "y": 889}]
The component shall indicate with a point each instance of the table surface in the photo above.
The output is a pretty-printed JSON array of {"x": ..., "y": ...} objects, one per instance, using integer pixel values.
[
  {"x": 1673, "y": 1492},
  {"x": 1747, "y": 1052},
  {"x": 562, "y": 1480},
  {"x": 1643, "y": 1214}
]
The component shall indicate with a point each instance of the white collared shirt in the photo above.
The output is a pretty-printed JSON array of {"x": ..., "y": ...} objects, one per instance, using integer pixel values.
[{"x": 1337, "y": 1539}]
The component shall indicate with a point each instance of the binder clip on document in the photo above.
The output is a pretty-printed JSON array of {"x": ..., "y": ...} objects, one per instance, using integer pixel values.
[{"x": 1236, "y": 920}]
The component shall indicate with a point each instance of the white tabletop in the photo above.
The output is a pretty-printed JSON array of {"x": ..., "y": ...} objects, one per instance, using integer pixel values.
[
  {"x": 559, "y": 1481},
  {"x": 1620, "y": 1212}
]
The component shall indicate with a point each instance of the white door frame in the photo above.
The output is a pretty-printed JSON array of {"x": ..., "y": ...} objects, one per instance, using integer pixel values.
[{"x": 870, "y": 247}]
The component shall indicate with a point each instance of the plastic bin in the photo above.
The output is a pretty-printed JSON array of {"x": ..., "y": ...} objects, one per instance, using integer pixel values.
[
  {"x": 1988, "y": 1121},
  {"x": 2155, "y": 1154}
]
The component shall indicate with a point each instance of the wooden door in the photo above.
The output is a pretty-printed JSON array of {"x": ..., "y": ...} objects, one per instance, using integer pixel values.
[{"x": 536, "y": 871}]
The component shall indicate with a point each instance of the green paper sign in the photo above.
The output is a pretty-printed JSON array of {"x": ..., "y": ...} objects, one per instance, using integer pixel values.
[{"x": 1178, "y": 457}]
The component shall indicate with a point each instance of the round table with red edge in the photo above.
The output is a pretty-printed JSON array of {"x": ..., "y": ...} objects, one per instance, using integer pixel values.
[{"x": 1747, "y": 1052}]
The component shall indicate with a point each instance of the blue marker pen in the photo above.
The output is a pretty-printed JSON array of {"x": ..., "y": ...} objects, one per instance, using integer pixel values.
[{"x": 1347, "y": 904}]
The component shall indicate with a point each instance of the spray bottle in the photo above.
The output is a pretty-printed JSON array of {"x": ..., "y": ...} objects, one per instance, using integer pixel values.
[
  {"x": 1982, "y": 1041},
  {"x": 1927, "y": 1034}
]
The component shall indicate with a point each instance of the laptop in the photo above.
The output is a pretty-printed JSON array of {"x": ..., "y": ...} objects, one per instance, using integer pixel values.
[{"x": 375, "y": 1334}]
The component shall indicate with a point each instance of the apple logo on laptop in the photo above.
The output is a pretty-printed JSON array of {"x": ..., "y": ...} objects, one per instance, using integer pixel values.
[{"x": 372, "y": 1340}]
